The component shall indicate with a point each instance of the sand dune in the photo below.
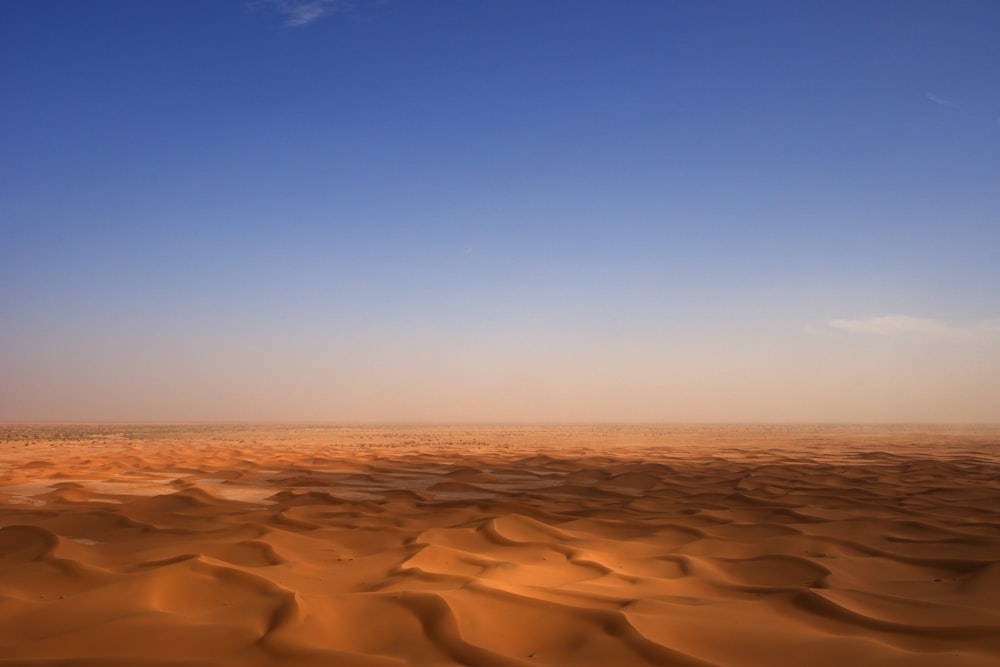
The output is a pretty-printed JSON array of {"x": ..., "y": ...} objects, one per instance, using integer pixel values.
[{"x": 173, "y": 545}]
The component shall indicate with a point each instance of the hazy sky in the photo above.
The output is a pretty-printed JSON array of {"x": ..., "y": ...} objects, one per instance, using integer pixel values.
[{"x": 525, "y": 210}]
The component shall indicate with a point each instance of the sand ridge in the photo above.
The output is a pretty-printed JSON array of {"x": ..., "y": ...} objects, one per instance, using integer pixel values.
[{"x": 268, "y": 545}]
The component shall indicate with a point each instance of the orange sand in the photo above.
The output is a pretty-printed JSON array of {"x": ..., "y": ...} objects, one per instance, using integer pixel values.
[{"x": 499, "y": 546}]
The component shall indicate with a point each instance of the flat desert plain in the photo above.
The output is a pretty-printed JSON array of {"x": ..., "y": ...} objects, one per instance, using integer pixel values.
[{"x": 734, "y": 545}]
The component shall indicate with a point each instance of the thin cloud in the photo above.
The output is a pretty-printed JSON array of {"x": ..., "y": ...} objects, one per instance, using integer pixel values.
[
  {"x": 905, "y": 326},
  {"x": 940, "y": 101},
  {"x": 299, "y": 13}
]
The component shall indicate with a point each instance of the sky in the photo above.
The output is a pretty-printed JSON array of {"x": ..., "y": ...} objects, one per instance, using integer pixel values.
[{"x": 500, "y": 211}]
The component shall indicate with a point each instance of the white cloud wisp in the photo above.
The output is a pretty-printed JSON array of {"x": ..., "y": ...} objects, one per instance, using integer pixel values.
[
  {"x": 940, "y": 101},
  {"x": 299, "y": 13},
  {"x": 916, "y": 328}
]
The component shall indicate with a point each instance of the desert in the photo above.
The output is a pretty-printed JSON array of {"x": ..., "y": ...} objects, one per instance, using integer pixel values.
[
  {"x": 499, "y": 545},
  {"x": 372, "y": 333}
]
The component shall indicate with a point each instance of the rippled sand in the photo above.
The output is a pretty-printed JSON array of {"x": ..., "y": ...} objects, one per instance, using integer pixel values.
[{"x": 184, "y": 545}]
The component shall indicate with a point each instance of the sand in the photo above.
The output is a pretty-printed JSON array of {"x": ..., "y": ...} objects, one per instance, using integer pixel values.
[{"x": 239, "y": 545}]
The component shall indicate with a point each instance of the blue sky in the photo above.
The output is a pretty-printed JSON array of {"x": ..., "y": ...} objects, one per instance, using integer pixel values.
[{"x": 500, "y": 210}]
